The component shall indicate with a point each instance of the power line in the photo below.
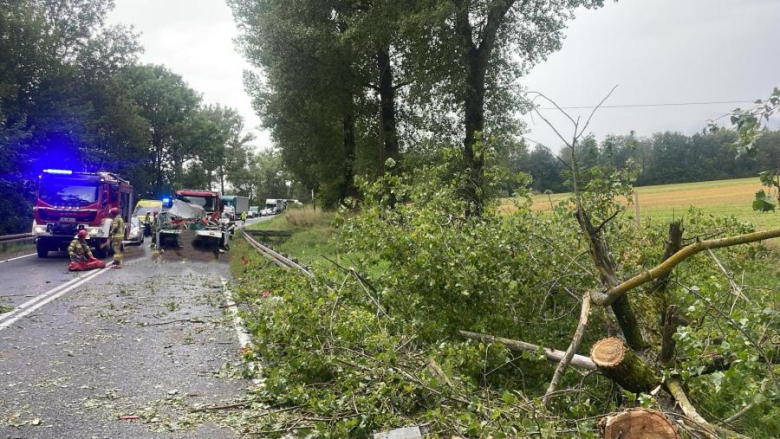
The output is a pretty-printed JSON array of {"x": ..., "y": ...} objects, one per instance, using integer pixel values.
[{"x": 676, "y": 104}]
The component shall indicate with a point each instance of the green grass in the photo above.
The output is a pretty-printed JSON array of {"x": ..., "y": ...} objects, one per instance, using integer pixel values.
[
  {"x": 8, "y": 251},
  {"x": 762, "y": 221},
  {"x": 310, "y": 242}
]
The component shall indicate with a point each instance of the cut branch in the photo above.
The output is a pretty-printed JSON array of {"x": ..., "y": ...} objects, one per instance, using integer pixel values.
[
  {"x": 576, "y": 341},
  {"x": 613, "y": 294},
  {"x": 552, "y": 355},
  {"x": 639, "y": 423},
  {"x": 711, "y": 431},
  {"x": 620, "y": 364}
]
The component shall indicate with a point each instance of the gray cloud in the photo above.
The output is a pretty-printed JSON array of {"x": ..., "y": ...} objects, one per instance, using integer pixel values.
[
  {"x": 661, "y": 51},
  {"x": 658, "y": 51},
  {"x": 194, "y": 38}
]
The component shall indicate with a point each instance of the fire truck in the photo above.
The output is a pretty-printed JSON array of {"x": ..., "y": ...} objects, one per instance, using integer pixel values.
[{"x": 70, "y": 201}]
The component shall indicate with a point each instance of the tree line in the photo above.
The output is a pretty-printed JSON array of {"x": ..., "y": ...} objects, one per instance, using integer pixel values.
[
  {"x": 662, "y": 158},
  {"x": 73, "y": 95},
  {"x": 349, "y": 84}
]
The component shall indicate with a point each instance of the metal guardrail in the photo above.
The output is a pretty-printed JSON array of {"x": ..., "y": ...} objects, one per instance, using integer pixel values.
[
  {"x": 278, "y": 258},
  {"x": 21, "y": 236},
  {"x": 6, "y": 240},
  {"x": 268, "y": 232}
]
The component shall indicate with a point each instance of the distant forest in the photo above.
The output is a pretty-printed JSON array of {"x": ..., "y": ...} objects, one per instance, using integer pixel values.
[{"x": 662, "y": 158}]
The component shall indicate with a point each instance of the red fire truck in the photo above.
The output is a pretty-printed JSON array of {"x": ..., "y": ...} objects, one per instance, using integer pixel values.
[{"x": 69, "y": 201}]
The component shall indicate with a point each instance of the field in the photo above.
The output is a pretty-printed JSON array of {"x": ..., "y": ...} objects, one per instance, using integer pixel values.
[{"x": 666, "y": 202}]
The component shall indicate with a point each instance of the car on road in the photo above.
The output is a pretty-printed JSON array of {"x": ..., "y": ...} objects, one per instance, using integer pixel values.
[
  {"x": 139, "y": 227},
  {"x": 137, "y": 231}
]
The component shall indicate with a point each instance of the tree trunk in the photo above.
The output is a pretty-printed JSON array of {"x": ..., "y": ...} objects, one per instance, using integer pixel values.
[
  {"x": 620, "y": 364},
  {"x": 606, "y": 266},
  {"x": 222, "y": 179},
  {"x": 639, "y": 423},
  {"x": 474, "y": 123},
  {"x": 388, "y": 128},
  {"x": 348, "y": 186}
]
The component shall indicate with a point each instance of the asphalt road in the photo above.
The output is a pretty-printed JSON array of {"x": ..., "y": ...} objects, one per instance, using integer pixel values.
[{"x": 83, "y": 355}]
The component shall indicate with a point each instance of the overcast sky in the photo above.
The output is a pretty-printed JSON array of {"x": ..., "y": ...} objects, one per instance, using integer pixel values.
[{"x": 657, "y": 51}]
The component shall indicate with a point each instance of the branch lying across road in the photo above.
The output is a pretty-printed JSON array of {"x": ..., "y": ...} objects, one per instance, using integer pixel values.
[{"x": 614, "y": 293}]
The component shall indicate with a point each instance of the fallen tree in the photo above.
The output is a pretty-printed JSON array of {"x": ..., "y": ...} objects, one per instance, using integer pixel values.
[{"x": 644, "y": 354}]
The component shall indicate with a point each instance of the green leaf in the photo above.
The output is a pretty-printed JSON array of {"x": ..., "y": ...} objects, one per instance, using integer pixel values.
[{"x": 763, "y": 206}]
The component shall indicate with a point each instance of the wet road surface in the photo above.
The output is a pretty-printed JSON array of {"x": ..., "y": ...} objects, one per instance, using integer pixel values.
[{"x": 117, "y": 353}]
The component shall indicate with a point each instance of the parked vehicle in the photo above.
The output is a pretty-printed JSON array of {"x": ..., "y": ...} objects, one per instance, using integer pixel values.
[
  {"x": 139, "y": 225},
  {"x": 238, "y": 205},
  {"x": 69, "y": 201},
  {"x": 254, "y": 212}
]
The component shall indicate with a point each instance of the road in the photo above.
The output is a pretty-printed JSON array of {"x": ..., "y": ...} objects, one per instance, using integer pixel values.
[{"x": 80, "y": 353}]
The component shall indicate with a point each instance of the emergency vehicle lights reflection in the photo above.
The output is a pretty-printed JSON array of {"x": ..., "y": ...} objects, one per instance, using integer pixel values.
[{"x": 58, "y": 171}]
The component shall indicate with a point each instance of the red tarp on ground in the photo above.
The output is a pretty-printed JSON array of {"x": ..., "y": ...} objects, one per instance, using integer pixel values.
[{"x": 92, "y": 264}]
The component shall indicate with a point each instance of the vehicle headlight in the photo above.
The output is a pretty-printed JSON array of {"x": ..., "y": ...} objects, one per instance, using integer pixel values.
[{"x": 39, "y": 230}]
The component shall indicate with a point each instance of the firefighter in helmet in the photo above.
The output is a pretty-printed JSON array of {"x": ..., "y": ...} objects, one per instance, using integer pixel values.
[
  {"x": 81, "y": 258},
  {"x": 117, "y": 234}
]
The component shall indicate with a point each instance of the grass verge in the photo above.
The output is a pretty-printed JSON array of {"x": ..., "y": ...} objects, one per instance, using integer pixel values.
[
  {"x": 9, "y": 251},
  {"x": 311, "y": 240}
]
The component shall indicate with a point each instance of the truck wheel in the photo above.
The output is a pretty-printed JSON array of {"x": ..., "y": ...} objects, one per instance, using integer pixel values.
[{"x": 43, "y": 250}]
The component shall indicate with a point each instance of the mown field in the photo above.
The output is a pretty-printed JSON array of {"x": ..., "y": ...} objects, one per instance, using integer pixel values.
[{"x": 666, "y": 202}]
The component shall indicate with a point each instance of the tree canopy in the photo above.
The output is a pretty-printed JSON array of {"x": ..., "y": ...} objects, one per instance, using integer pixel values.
[{"x": 72, "y": 94}]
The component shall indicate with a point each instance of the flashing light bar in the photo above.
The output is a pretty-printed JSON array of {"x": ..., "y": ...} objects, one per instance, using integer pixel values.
[{"x": 58, "y": 171}]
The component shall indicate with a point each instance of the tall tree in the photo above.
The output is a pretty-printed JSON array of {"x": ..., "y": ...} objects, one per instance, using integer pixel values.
[
  {"x": 169, "y": 105},
  {"x": 470, "y": 53},
  {"x": 59, "y": 102}
]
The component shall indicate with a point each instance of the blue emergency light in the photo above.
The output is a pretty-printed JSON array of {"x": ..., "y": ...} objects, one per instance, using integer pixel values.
[
  {"x": 167, "y": 203},
  {"x": 58, "y": 171}
]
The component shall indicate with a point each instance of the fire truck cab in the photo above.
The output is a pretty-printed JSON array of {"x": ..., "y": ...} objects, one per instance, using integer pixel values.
[{"x": 69, "y": 201}]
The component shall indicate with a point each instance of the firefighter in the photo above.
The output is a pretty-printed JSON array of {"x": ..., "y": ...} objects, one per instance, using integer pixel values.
[
  {"x": 81, "y": 258},
  {"x": 154, "y": 230},
  {"x": 148, "y": 223},
  {"x": 117, "y": 234},
  {"x": 243, "y": 218}
]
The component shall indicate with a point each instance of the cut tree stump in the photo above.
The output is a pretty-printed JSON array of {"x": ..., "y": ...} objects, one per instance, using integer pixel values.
[
  {"x": 620, "y": 364},
  {"x": 639, "y": 424}
]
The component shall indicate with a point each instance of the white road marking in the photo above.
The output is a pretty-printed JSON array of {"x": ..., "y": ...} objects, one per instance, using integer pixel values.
[
  {"x": 19, "y": 257},
  {"x": 244, "y": 339},
  {"x": 40, "y": 297},
  {"x": 47, "y": 297}
]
